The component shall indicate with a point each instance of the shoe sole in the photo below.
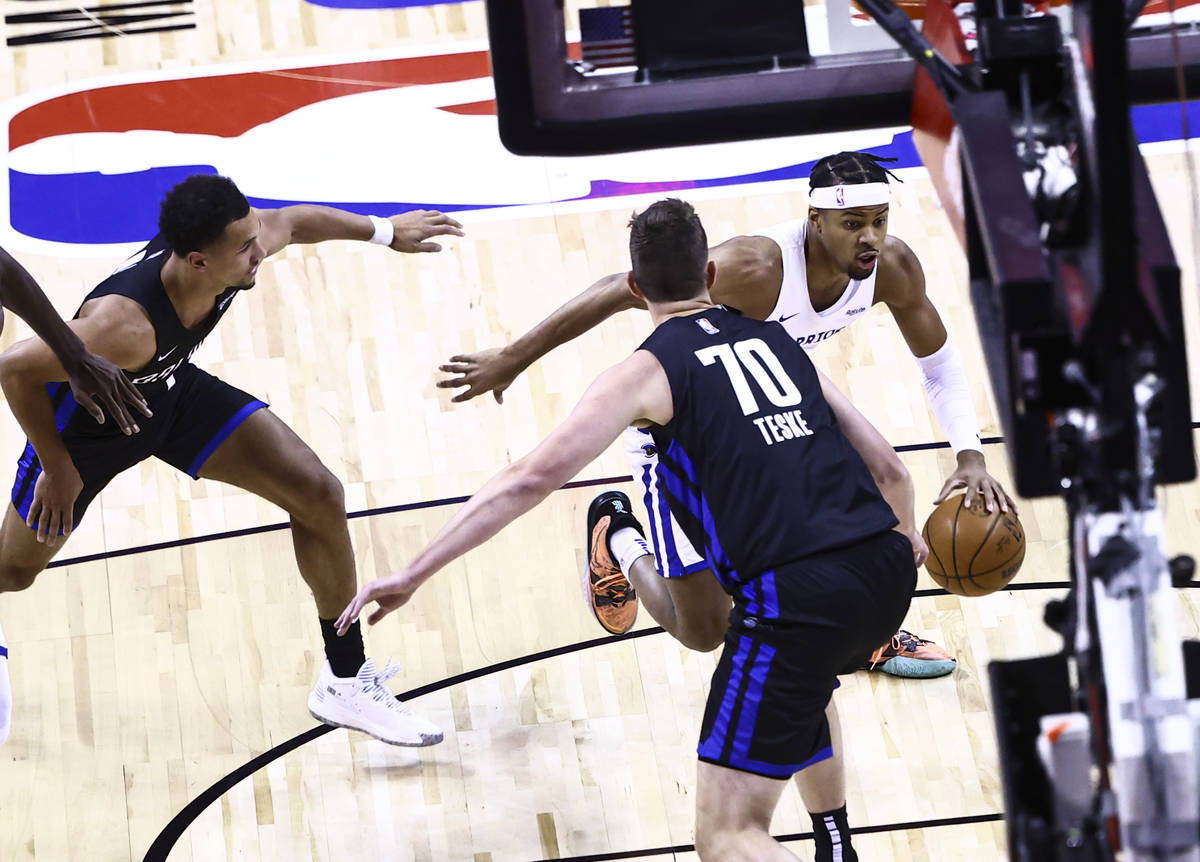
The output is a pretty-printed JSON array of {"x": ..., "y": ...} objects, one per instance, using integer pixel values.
[
  {"x": 586, "y": 581},
  {"x": 915, "y": 668},
  {"x": 426, "y": 740},
  {"x": 585, "y": 584}
]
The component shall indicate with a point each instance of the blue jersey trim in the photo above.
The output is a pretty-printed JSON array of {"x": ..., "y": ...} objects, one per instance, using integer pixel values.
[
  {"x": 219, "y": 438},
  {"x": 748, "y": 590},
  {"x": 773, "y": 770},
  {"x": 770, "y": 596},
  {"x": 29, "y": 468},
  {"x": 648, "y": 501},
  {"x": 752, "y": 700},
  {"x": 715, "y": 743}
]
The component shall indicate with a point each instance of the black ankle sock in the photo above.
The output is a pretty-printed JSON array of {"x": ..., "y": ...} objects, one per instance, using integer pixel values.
[
  {"x": 346, "y": 654},
  {"x": 830, "y": 831}
]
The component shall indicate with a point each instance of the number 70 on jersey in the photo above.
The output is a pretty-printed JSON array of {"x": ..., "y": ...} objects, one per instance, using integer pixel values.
[{"x": 755, "y": 356}]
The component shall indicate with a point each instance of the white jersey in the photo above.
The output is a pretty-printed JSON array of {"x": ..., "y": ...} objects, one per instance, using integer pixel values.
[{"x": 795, "y": 309}]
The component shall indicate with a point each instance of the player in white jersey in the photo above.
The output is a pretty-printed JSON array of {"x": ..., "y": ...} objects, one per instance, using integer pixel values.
[{"x": 815, "y": 276}]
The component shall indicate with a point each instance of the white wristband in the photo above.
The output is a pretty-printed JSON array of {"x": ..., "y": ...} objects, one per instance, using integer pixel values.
[{"x": 385, "y": 231}]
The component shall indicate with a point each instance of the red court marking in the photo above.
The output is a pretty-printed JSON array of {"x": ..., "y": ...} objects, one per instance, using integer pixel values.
[
  {"x": 229, "y": 105},
  {"x": 488, "y": 106}
]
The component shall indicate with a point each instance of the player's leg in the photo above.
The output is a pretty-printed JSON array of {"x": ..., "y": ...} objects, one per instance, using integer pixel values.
[
  {"x": 232, "y": 438},
  {"x": 22, "y": 559},
  {"x": 733, "y": 815},
  {"x": 262, "y": 455},
  {"x": 22, "y": 556},
  {"x": 690, "y": 605},
  {"x": 627, "y": 567},
  {"x": 764, "y": 722},
  {"x": 822, "y": 787}
]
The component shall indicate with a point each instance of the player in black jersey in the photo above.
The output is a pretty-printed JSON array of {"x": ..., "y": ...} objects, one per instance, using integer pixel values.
[
  {"x": 91, "y": 379},
  {"x": 148, "y": 317},
  {"x": 803, "y": 508}
]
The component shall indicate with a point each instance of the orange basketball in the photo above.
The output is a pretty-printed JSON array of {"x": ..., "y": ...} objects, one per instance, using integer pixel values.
[{"x": 973, "y": 552}]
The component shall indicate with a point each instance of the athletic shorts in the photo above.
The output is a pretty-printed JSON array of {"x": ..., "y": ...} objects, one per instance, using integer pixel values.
[
  {"x": 673, "y": 553},
  {"x": 192, "y": 417},
  {"x": 766, "y": 706}
]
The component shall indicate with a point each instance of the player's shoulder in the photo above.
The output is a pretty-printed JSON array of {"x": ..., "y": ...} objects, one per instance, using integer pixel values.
[
  {"x": 142, "y": 265},
  {"x": 749, "y": 273},
  {"x": 896, "y": 251},
  {"x": 901, "y": 277},
  {"x": 747, "y": 252},
  {"x": 114, "y": 311}
]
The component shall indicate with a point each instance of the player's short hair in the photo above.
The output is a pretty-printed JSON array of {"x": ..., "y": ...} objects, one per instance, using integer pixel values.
[
  {"x": 849, "y": 168},
  {"x": 195, "y": 213},
  {"x": 669, "y": 250}
]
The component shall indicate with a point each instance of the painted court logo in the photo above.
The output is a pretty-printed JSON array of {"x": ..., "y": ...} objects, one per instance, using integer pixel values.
[{"x": 706, "y": 326}]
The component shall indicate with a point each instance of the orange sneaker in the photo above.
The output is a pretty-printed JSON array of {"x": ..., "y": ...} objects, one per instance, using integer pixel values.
[
  {"x": 910, "y": 656},
  {"x": 611, "y": 597}
]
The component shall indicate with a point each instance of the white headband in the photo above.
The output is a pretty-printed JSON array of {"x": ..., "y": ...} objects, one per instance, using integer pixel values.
[{"x": 850, "y": 197}]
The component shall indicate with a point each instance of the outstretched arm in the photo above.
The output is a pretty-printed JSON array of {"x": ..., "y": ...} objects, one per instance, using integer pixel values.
[
  {"x": 307, "y": 223},
  {"x": 494, "y": 370},
  {"x": 744, "y": 280},
  {"x": 903, "y": 289},
  {"x": 635, "y": 389},
  {"x": 894, "y": 481}
]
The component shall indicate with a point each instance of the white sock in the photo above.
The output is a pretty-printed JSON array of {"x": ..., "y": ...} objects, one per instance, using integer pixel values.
[
  {"x": 628, "y": 547},
  {"x": 5, "y": 691}
]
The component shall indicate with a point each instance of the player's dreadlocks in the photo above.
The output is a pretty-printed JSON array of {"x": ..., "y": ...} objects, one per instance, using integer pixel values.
[{"x": 850, "y": 168}]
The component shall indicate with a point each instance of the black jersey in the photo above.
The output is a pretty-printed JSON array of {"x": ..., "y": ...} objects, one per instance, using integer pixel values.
[
  {"x": 140, "y": 279},
  {"x": 753, "y": 464}
]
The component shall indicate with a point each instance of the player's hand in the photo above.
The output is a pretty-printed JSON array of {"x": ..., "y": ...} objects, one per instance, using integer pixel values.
[
  {"x": 413, "y": 229},
  {"x": 388, "y": 594},
  {"x": 920, "y": 549},
  {"x": 53, "y": 507},
  {"x": 973, "y": 475},
  {"x": 94, "y": 379},
  {"x": 491, "y": 370}
]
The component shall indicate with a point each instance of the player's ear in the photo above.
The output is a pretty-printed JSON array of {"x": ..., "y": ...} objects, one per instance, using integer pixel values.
[
  {"x": 814, "y": 217},
  {"x": 197, "y": 260},
  {"x": 632, "y": 282},
  {"x": 710, "y": 273}
]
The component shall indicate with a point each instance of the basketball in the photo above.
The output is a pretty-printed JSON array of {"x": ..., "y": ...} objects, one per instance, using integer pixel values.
[{"x": 973, "y": 552}]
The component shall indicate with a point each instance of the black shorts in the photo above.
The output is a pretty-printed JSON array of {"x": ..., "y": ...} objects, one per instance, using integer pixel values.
[
  {"x": 192, "y": 417},
  {"x": 766, "y": 707}
]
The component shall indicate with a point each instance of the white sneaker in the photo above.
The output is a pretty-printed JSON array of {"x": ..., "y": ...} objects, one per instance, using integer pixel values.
[
  {"x": 5, "y": 691},
  {"x": 363, "y": 703}
]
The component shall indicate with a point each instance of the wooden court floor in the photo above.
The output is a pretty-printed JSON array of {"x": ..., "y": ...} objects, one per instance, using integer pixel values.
[{"x": 177, "y": 642}]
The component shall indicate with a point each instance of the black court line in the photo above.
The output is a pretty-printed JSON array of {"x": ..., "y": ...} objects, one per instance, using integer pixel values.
[
  {"x": 166, "y": 839},
  {"x": 387, "y": 510},
  {"x": 794, "y": 836},
  {"x": 273, "y": 528},
  {"x": 180, "y": 822},
  {"x": 407, "y": 507},
  {"x": 170, "y": 834}
]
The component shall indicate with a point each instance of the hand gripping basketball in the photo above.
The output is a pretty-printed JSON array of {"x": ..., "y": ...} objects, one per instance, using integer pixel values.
[{"x": 973, "y": 552}]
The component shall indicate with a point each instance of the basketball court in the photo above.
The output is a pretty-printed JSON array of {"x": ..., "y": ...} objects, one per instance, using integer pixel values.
[{"x": 173, "y": 644}]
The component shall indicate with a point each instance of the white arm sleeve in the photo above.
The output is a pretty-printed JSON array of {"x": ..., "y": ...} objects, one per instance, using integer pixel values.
[{"x": 950, "y": 397}]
